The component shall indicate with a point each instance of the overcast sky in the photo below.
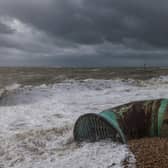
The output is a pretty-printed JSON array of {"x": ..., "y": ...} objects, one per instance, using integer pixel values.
[{"x": 83, "y": 32}]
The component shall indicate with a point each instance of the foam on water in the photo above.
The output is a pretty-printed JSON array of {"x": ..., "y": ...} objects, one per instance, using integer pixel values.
[
  {"x": 9, "y": 88},
  {"x": 37, "y": 122}
]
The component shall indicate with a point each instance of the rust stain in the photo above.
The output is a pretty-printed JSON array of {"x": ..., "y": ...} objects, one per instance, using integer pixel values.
[{"x": 138, "y": 119}]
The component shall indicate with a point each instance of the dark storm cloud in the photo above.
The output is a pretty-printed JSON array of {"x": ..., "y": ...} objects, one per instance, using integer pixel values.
[
  {"x": 93, "y": 21},
  {"x": 110, "y": 29},
  {"x": 4, "y": 29}
]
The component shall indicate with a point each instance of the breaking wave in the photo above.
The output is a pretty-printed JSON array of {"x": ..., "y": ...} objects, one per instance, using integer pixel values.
[
  {"x": 9, "y": 89},
  {"x": 37, "y": 122},
  {"x": 56, "y": 148}
]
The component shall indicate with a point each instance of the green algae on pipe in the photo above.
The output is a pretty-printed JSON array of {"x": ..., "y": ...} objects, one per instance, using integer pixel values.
[
  {"x": 112, "y": 118},
  {"x": 161, "y": 115}
]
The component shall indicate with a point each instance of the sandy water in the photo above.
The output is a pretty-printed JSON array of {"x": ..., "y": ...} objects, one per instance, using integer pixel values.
[{"x": 37, "y": 122}]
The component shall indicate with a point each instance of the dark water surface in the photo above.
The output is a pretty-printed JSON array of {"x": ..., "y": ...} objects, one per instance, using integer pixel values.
[{"x": 37, "y": 76}]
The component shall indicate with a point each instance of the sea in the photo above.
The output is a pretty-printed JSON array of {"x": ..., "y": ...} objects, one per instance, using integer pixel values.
[{"x": 39, "y": 107}]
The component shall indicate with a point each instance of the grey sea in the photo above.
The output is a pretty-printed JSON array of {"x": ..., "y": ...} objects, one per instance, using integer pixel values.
[{"x": 39, "y": 107}]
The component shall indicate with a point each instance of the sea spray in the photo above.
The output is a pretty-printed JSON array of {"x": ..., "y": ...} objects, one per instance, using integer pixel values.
[{"x": 36, "y": 125}]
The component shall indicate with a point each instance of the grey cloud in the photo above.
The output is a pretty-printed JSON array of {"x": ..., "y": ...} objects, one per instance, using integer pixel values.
[
  {"x": 92, "y": 22},
  {"x": 111, "y": 30},
  {"x": 4, "y": 29}
]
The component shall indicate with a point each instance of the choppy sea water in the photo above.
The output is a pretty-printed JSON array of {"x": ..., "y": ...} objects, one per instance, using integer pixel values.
[{"x": 37, "y": 122}]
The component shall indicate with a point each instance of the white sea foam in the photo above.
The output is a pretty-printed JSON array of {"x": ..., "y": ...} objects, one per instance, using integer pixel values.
[
  {"x": 37, "y": 122},
  {"x": 9, "y": 88},
  {"x": 12, "y": 87}
]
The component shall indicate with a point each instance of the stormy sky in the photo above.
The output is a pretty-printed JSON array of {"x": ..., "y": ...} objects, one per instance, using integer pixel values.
[{"x": 83, "y": 33}]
